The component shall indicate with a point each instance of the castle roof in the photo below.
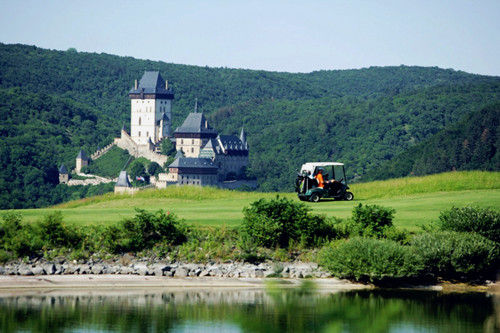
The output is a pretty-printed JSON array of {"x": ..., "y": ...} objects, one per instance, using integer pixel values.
[
  {"x": 232, "y": 145},
  {"x": 123, "y": 180},
  {"x": 152, "y": 83},
  {"x": 195, "y": 123},
  {"x": 82, "y": 155},
  {"x": 179, "y": 154},
  {"x": 210, "y": 149},
  {"x": 193, "y": 162},
  {"x": 243, "y": 136},
  {"x": 63, "y": 170}
]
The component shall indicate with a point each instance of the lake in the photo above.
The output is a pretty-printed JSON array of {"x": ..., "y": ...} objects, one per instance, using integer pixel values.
[{"x": 249, "y": 310}]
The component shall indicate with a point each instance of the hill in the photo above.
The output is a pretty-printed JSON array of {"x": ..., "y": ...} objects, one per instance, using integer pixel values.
[
  {"x": 468, "y": 144},
  {"x": 53, "y": 103},
  {"x": 417, "y": 200}
]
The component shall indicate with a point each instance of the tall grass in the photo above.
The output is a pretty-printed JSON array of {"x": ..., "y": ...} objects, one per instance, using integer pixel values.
[{"x": 442, "y": 182}]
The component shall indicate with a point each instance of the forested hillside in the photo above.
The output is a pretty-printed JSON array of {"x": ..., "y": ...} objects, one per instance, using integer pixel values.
[
  {"x": 469, "y": 144},
  {"x": 52, "y": 103}
]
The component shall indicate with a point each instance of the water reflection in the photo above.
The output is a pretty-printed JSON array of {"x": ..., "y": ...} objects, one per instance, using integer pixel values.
[{"x": 274, "y": 310}]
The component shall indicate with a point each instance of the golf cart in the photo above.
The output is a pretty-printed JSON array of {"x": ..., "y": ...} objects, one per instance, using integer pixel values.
[{"x": 335, "y": 186}]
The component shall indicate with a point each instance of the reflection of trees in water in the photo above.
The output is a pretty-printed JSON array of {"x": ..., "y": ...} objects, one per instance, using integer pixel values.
[{"x": 300, "y": 310}]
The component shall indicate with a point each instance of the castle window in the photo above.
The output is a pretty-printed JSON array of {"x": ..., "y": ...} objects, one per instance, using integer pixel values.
[
  {"x": 139, "y": 133},
  {"x": 182, "y": 141},
  {"x": 140, "y": 121},
  {"x": 147, "y": 134},
  {"x": 192, "y": 141},
  {"x": 192, "y": 150}
]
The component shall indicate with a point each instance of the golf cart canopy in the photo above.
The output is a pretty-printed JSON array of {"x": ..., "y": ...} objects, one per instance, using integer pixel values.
[{"x": 311, "y": 166}]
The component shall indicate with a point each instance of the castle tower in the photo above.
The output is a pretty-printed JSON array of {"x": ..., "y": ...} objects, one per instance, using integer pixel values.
[
  {"x": 151, "y": 109},
  {"x": 63, "y": 174},
  {"x": 81, "y": 161},
  {"x": 193, "y": 134}
]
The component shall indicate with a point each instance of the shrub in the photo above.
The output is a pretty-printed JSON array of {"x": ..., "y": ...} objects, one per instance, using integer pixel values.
[
  {"x": 485, "y": 222},
  {"x": 373, "y": 219},
  {"x": 18, "y": 238},
  {"x": 366, "y": 259},
  {"x": 277, "y": 222},
  {"x": 457, "y": 256},
  {"x": 145, "y": 230},
  {"x": 55, "y": 234},
  {"x": 154, "y": 169}
]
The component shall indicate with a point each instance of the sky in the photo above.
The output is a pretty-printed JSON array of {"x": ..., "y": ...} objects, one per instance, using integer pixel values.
[{"x": 291, "y": 36}]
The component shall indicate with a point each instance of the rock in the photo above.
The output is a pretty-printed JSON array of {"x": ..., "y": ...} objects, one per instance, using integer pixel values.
[
  {"x": 215, "y": 272},
  {"x": 84, "y": 269},
  {"x": 126, "y": 270},
  {"x": 59, "y": 269},
  {"x": 195, "y": 272},
  {"x": 25, "y": 270},
  {"x": 71, "y": 269},
  {"x": 97, "y": 269},
  {"x": 259, "y": 273},
  {"x": 49, "y": 269},
  {"x": 204, "y": 272},
  {"x": 181, "y": 272},
  {"x": 2, "y": 270},
  {"x": 141, "y": 269},
  {"x": 159, "y": 270},
  {"x": 38, "y": 270}
]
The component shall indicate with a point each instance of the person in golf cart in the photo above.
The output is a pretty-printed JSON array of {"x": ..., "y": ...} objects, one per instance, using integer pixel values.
[
  {"x": 323, "y": 181},
  {"x": 319, "y": 178}
]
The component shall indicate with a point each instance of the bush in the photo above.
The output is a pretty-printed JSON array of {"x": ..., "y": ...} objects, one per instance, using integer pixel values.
[
  {"x": 278, "y": 222},
  {"x": 485, "y": 222},
  {"x": 373, "y": 219},
  {"x": 55, "y": 234},
  {"x": 154, "y": 169},
  {"x": 373, "y": 260},
  {"x": 18, "y": 238},
  {"x": 457, "y": 256},
  {"x": 145, "y": 230}
]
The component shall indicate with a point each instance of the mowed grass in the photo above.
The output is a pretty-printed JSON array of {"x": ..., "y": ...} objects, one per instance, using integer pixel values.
[{"x": 417, "y": 201}]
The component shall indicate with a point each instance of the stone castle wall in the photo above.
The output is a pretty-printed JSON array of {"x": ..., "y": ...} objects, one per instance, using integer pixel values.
[
  {"x": 146, "y": 151},
  {"x": 101, "y": 152}
]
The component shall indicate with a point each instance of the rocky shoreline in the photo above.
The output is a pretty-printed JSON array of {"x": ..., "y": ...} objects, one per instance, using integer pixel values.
[{"x": 127, "y": 266}]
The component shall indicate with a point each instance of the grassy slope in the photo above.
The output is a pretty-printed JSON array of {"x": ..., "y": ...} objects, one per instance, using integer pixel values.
[{"x": 417, "y": 200}]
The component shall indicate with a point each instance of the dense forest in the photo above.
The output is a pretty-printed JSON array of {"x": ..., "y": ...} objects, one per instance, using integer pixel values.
[
  {"x": 469, "y": 144},
  {"x": 53, "y": 103}
]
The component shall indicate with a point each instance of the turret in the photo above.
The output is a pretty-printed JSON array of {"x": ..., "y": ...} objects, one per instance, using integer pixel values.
[
  {"x": 63, "y": 174},
  {"x": 243, "y": 138},
  {"x": 81, "y": 161}
]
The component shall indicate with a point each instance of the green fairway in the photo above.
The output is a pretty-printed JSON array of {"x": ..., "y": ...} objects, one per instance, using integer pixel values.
[
  {"x": 411, "y": 211},
  {"x": 417, "y": 201}
]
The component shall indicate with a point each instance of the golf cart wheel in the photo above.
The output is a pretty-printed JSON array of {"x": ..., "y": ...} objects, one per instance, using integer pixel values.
[
  {"x": 348, "y": 196},
  {"x": 314, "y": 198}
]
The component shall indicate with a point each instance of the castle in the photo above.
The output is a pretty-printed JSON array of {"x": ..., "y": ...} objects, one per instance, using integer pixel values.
[{"x": 203, "y": 156}]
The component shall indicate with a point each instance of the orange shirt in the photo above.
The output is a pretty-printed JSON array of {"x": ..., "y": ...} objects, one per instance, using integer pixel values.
[{"x": 319, "y": 178}]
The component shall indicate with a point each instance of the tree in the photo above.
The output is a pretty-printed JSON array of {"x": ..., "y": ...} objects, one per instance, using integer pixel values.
[
  {"x": 167, "y": 147},
  {"x": 137, "y": 169},
  {"x": 154, "y": 169}
]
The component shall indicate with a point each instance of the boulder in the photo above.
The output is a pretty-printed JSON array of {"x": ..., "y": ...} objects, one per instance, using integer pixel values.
[
  {"x": 38, "y": 270},
  {"x": 49, "y": 269},
  {"x": 97, "y": 269},
  {"x": 24, "y": 270},
  {"x": 181, "y": 272},
  {"x": 84, "y": 269},
  {"x": 141, "y": 269}
]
